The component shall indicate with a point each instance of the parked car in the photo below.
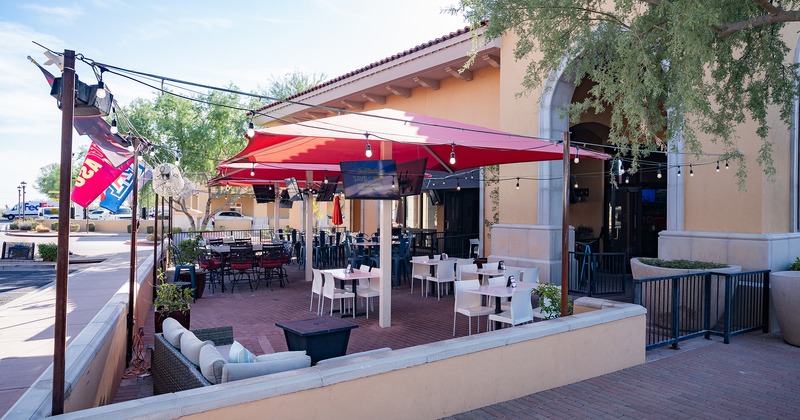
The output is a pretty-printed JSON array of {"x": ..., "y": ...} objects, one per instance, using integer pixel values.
[
  {"x": 124, "y": 213},
  {"x": 229, "y": 215},
  {"x": 99, "y": 214}
]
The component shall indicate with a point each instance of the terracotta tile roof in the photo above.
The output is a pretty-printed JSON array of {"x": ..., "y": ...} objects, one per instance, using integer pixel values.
[{"x": 378, "y": 63}]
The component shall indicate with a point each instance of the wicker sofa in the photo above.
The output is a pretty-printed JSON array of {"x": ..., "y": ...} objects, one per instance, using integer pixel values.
[{"x": 172, "y": 371}]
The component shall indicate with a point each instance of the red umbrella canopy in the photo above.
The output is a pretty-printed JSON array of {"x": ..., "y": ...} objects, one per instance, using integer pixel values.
[
  {"x": 413, "y": 136},
  {"x": 337, "y": 212}
]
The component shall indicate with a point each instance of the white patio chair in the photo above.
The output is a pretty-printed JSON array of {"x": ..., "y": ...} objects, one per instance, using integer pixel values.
[
  {"x": 419, "y": 272},
  {"x": 369, "y": 288},
  {"x": 468, "y": 304},
  {"x": 445, "y": 273},
  {"x": 316, "y": 289},
  {"x": 329, "y": 291},
  {"x": 521, "y": 310},
  {"x": 461, "y": 275},
  {"x": 530, "y": 275}
]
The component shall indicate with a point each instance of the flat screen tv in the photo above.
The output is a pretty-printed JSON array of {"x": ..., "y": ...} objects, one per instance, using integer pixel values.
[
  {"x": 328, "y": 189},
  {"x": 370, "y": 179},
  {"x": 436, "y": 197},
  {"x": 292, "y": 189},
  {"x": 286, "y": 201},
  {"x": 410, "y": 176},
  {"x": 264, "y": 193}
]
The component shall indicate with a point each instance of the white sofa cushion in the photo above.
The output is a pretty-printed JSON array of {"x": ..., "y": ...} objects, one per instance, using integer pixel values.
[
  {"x": 239, "y": 354},
  {"x": 191, "y": 345},
  {"x": 271, "y": 357},
  {"x": 173, "y": 330},
  {"x": 211, "y": 363},
  {"x": 237, "y": 371}
]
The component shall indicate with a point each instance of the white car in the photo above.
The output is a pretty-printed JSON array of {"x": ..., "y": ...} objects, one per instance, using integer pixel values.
[
  {"x": 229, "y": 215},
  {"x": 99, "y": 214},
  {"x": 124, "y": 213}
]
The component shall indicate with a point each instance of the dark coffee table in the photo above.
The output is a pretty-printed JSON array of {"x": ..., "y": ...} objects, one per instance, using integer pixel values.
[{"x": 321, "y": 337}]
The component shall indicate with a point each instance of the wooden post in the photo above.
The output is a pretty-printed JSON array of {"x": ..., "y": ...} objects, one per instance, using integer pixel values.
[
  {"x": 134, "y": 232},
  {"x": 62, "y": 257}
]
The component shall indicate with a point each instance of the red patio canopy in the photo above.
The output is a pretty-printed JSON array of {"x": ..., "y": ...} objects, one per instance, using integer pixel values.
[{"x": 413, "y": 136}]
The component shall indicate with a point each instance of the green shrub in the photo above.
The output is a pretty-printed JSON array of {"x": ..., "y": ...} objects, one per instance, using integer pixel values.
[
  {"x": 550, "y": 300},
  {"x": 171, "y": 297},
  {"x": 150, "y": 229},
  {"x": 129, "y": 228},
  {"x": 177, "y": 230},
  {"x": 54, "y": 226},
  {"x": 26, "y": 227},
  {"x": 48, "y": 252},
  {"x": 13, "y": 226},
  {"x": 796, "y": 265},
  {"x": 90, "y": 227},
  {"x": 682, "y": 264}
]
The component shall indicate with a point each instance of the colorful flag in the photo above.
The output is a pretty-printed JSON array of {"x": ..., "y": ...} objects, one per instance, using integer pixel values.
[
  {"x": 118, "y": 191},
  {"x": 96, "y": 174}
]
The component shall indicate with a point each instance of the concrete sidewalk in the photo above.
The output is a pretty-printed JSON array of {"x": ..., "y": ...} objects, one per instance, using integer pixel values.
[{"x": 27, "y": 324}]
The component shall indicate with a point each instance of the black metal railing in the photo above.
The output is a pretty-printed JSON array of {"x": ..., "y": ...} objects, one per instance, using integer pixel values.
[
  {"x": 258, "y": 235},
  {"x": 593, "y": 274},
  {"x": 703, "y": 304},
  {"x": 432, "y": 242}
]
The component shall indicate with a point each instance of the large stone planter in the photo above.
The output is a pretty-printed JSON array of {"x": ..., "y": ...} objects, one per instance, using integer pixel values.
[
  {"x": 785, "y": 293},
  {"x": 691, "y": 314}
]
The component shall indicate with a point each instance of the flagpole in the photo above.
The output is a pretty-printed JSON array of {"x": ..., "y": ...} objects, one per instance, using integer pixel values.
[
  {"x": 62, "y": 256},
  {"x": 134, "y": 229}
]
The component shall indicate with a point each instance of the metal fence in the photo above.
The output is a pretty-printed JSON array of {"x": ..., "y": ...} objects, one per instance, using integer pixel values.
[
  {"x": 593, "y": 274},
  {"x": 432, "y": 242},
  {"x": 703, "y": 304}
]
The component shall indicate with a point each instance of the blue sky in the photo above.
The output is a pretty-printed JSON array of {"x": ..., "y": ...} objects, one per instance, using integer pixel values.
[{"x": 209, "y": 42}]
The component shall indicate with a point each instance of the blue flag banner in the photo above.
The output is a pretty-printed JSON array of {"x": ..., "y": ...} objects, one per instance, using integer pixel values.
[{"x": 116, "y": 193}]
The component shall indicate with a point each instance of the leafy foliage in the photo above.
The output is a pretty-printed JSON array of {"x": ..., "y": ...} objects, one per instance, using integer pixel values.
[
  {"x": 289, "y": 84},
  {"x": 550, "y": 300},
  {"x": 172, "y": 297},
  {"x": 48, "y": 252},
  {"x": 682, "y": 264},
  {"x": 795, "y": 265},
  {"x": 48, "y": 181},
  {"x": 669, "y": 70}
]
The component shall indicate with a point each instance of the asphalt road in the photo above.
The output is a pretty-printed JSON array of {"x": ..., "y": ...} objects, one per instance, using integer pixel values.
[{"x": 15, "y": 284}]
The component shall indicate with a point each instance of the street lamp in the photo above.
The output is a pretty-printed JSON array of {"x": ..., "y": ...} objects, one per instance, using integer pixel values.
[
  {"x": 23, "y": 198},
  {"x": 19, "y": 200}
]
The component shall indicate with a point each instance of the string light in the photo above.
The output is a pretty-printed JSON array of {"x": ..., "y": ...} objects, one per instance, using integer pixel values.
[
  {"x": 717, "y": 166},
  {"x": 368, "y": 152},
  {"x": 177, "y": 159},
  {"x": 393, "y": 186},
  {"x": 658, "y": 175},
  {"x": 253, "y": 169},
  {"x": 726, "y": 163},
  {"x": 627, "y": 179},
  {"x": 691, "y": 170},
  {"x": 452, "y": 153},
  {"x": 114, "y": 129},
  {"x": 577, "y": 158},
  {"x": 517, "y": 182},
  {"x": 621, "y": 167},
  {"x": 251, "y": 129},
  {"x": 458, "y": 186},
  {"x": 576, "y": 182},
  {"x": 679, "y": 171}
]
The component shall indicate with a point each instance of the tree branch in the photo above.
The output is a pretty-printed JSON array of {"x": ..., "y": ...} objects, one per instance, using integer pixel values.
[{"x": 774, "y": 15}]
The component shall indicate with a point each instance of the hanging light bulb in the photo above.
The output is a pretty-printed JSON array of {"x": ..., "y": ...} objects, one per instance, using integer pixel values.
[
  {"x": 658, "y": 175},
  {"x": 621, "y": 167},
  {"x": 368, "y": 153},
  {"x": 577, "y": 153},
  {"x": 101, "y": 89},
  {"x": 627, "y": 179},
  {"x": 393, "y": 185},
  {"x": 726, "y": 163},
  {"x": 517, "y": 182},
  {"x": 452, "y": 153},
  {"x": 325, "y": 181},
  {"x": 253, "y": 169},
  {"x": 717, "y": 166},
  {"x": 152, "y": 151},
  {"x": 227, "y": 187},
  {"x": 691, "y": 170},
  {"x": 251, "y": 130},
  {"x": 679, "y": 171},
  {"x": 458, "y": 186},
  {"x": 177, "y": 159},
  {"x": 114, "y": 129},
  {"x": 576, "y": 182}
]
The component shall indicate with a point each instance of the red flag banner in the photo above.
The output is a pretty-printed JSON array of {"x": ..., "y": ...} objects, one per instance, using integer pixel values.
[{"x": 96, "y": 174}]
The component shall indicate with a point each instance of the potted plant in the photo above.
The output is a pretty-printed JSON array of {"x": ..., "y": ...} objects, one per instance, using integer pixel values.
[
  {"x": 785, "y": 293},
  {"x": 172, "y": 301},
  {"x": 189, "y": 252},
  {"x": 550, "y": 300}
]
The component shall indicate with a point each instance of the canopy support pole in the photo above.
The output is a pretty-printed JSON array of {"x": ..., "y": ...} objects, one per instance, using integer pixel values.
[
  {"x": 565, "y": 231},
  {"x": 385, "y": 251},
  {"x": 309, "y": 214},
  {"x": 276, "y": 210}
]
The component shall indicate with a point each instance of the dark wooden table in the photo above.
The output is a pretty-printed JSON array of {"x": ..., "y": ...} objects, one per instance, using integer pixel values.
[{"x": 322, "y": 337}]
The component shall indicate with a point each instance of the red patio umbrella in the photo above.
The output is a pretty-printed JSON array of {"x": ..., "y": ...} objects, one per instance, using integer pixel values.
[{"x": 337, "y": 212}]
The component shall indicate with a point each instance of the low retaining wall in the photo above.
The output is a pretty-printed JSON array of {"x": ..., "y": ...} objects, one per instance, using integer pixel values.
[
  {"x": 427, "y": 381},
  {"x": 95, "y": 359}
]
